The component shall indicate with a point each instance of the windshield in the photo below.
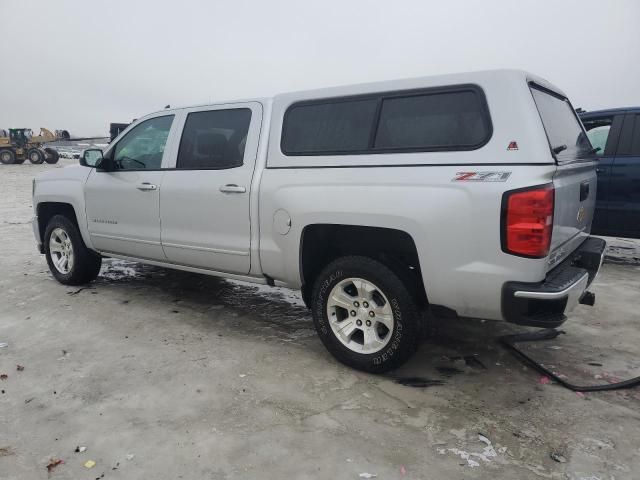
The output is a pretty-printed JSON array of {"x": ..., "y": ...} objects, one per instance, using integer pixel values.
[{"x": 566, "y": 137}]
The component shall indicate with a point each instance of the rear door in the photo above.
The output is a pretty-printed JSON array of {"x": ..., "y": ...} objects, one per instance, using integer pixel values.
[
  {"x": 624, "y": 197},
  {"x": 205, "y": 198},
  {"x": 603, "y": 132},
  {"x": 575, "y": 181}
]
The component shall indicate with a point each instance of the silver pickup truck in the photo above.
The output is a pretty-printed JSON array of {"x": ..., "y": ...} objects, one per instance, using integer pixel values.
[{"x": 467, "y": 195}]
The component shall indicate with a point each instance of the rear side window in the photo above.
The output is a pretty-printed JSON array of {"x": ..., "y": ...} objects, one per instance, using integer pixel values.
[
  {"x": 214, "y": 139},
  {"x": 329, "y": 127},
  {"x": 566, "y": 137},
  {"x": 432, "y": 121},
  {"x": 454, "y": 118}
]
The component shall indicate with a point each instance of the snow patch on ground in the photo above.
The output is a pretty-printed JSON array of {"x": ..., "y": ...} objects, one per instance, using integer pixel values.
[
  {"x": 623, "y": 251},
  {"x": 115, "y": 269},
  {"x": 488, "y": 452},
  {"x": 293, "y": 297}
]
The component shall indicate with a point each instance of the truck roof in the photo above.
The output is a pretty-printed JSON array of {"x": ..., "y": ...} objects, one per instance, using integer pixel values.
[
  {"x": 483, "y": 76},
  {"x": 609, "y": 111},
  {"x": 390, "y": 85}
]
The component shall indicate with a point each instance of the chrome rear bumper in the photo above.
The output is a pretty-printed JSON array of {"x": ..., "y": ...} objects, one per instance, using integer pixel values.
[{"x": 545, "y": 304}]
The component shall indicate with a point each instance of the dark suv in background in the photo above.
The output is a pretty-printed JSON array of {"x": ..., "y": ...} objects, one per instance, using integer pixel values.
[{"x": 616, "y": 133}]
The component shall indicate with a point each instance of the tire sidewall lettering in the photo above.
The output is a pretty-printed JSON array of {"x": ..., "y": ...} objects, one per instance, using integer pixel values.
[
  {"x": 397, "y": 334},
  {"x": 320, "y": 304}
]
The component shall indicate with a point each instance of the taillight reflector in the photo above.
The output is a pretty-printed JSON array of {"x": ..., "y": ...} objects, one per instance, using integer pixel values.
[{"x": 528, "y": 222}]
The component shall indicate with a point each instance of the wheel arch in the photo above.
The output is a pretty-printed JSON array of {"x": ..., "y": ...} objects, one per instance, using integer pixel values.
[
  {"x": 46, "y": 210},
  {"x": 320, "y": 243}
]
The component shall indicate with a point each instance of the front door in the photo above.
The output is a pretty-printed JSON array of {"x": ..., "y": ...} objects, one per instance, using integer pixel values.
[
  {"x": 624, "y": 199},
  {"x": 123, "y": 205},
  {"x": 205, "y": 199}
]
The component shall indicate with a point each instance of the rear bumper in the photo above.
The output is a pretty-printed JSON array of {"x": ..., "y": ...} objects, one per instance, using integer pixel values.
[{"x": 544, "y": 304}]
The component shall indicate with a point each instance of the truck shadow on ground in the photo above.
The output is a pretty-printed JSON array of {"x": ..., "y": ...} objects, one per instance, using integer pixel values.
[
  {"x": 450, "y": 352},
  {"x": 449, "y": 348}
]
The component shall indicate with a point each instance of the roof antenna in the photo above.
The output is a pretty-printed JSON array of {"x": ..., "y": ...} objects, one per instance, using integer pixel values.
[{"x": 167, "y": 106}]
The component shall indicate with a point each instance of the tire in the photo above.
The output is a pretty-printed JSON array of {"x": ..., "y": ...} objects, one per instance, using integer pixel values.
[
  {"x": 35, "y": 156},
  {"x": 51, "y": 156},
  {"x": 377, "y": 295},
  {"x": 7, "y": 157},
  {"x": 83, "y": 265}
]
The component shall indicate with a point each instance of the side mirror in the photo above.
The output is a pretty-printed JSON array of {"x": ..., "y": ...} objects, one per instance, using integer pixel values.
[{"x": 91, "y": 157}]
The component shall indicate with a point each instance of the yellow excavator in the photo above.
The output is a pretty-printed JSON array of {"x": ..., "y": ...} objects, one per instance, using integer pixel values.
[{"x": 19, "y": 144}]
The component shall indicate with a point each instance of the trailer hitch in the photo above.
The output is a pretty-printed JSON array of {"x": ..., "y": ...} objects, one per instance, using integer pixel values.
[{"x": 588, "y": 298}]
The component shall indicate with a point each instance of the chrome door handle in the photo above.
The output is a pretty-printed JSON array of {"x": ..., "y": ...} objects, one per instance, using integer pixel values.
[
  {"x": 600, "y": 170},
  {"x": 146, "y": 186},
  {"x": 232, "y": 188}
]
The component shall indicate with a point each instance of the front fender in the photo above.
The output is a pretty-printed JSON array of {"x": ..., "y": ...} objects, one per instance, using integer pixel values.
[{"x": 65, "y": 186}]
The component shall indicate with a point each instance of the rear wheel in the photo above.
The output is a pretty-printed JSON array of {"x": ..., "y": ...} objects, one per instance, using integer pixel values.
[
  {"x": 365, "y": 314},
  {"x": 7, "y": 157},
  {"x": 35, "y": 156},
  {"x": 70, "y": 261},
  {"x": 51, "y": 155}
]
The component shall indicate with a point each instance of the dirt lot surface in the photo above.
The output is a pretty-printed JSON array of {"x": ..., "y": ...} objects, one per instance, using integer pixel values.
[{"x": 168, "y": 375}]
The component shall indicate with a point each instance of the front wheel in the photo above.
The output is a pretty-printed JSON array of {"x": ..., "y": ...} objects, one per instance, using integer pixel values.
[
  {"x": 7, "y": 157},
  {"x": 365, "y": 314},
  {"x": 70, "y": 261}
]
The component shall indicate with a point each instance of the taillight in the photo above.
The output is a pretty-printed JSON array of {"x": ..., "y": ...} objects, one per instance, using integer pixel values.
[{"x": 527, "y": 221}]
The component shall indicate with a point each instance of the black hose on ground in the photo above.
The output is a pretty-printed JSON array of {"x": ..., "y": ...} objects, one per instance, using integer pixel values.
[{"x": 510, "y": 341}]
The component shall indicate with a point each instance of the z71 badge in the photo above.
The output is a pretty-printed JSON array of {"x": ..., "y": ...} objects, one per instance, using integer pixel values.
[{"x": 481, "y": 177}]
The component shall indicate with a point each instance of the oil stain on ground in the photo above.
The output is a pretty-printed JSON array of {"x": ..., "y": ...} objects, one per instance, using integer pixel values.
[
  {"x": 418, "y": 382},
  {"x": 449, "y": 371}
]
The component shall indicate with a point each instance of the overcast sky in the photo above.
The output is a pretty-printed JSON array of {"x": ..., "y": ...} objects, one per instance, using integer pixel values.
[{"x": 79, "y": 65}]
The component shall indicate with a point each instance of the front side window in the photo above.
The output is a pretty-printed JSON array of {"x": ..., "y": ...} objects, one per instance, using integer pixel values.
[
  {"x": 598, "y": 132},
  {"x": 142, "y": 148},
  {"x": 214, "y": 139},
  {"x": 432, "y": 121}
]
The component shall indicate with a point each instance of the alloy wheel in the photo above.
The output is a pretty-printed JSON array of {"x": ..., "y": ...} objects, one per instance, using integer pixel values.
[
  {"x": 61, "y": 251},
  {"x": 360, "y": 315}
]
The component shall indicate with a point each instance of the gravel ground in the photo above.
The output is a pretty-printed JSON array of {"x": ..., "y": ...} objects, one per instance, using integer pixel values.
[{"x": 168, "y": 375}]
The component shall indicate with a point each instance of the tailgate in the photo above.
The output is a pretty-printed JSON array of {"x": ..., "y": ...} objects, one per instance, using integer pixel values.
[
  {"x": 575, "y": 179},
  {"x": 575, "y": 200}
]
